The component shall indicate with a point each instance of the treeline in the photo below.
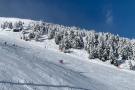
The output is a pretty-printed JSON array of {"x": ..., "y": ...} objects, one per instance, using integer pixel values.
[
  {"x": 104, "y": 46},
  {"x": 10, "y": 25}
]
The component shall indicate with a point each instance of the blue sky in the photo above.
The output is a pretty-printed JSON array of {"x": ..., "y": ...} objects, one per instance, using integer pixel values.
[{"x": 115, "y": 16}]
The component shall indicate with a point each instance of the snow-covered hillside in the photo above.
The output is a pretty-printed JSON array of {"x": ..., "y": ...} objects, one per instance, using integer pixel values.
[{"x": 34, "y": 65}]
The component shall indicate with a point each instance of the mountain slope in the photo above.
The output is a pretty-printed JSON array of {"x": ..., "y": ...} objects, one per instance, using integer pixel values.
[
  {"x": 22, "y": 63},
  {"x": 27, "y": 62}
]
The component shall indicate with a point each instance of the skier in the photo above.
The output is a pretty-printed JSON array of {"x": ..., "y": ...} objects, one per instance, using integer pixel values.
[
  {"x": 61, "y": 61},
  {"x": 5, "y": 43}
]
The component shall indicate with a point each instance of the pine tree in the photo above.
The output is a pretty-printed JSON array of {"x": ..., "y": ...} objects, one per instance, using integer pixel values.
[
  {"x": 78, "y": 42},
  {"x": 18, "y": 25},
  {"x": 65, "y": 44},
  {"x": 10, "y": 25},
  {"x": 127, "y": 52},
  {"x": 51, "y": 34},
  {"x": 58, "y": 38}
]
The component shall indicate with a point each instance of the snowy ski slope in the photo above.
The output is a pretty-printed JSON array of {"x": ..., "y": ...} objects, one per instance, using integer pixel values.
[{"x": 31, "y": 66}]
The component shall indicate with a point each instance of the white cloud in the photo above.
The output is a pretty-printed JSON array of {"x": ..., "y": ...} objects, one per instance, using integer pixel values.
[{"x": 109, "y": 17}]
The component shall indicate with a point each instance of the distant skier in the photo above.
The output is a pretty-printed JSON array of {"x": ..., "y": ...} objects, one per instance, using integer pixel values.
[
  {"x": 61, "y": 61},
  {"x": 5, "y": 43}
]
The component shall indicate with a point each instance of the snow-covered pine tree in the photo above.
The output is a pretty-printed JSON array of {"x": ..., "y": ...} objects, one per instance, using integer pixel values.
[
  {"x": 114, "y": 46},
  {"x": 4, "y": 25},
  {"x": 10, "y": 25},
  {"x": 93, "y": 53},
  {"x": 78, "y": 42},
  {"x": 37, "y": 35},
  {"x": 131, "y": 67},
  {"x": 51, "y": 34},
  {"x": 93, "y": 46},
  {"x": 18, "y": 25},
  {"x": 133, "y": 49},
  {"x": 58, "y": 37},
  {"x": 127, "y": 52},
  {"x": 65, "y": 44}
]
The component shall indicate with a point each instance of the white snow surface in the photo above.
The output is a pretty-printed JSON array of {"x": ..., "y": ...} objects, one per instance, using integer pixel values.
[{"x": 37, "y": 64}]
